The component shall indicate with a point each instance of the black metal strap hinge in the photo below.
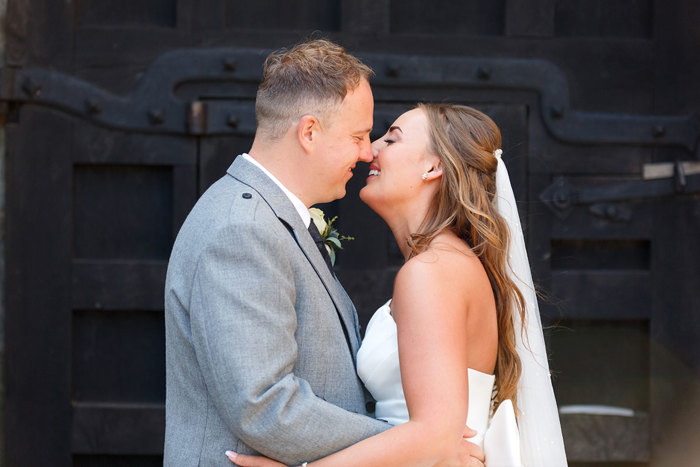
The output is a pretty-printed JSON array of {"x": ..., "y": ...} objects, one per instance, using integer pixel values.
[
  {"x": 155, "y": 105},
  {"x": 660, "y": 180}
]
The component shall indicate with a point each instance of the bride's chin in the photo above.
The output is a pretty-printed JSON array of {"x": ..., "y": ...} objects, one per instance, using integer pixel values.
[{"x": 366, "y": 196}]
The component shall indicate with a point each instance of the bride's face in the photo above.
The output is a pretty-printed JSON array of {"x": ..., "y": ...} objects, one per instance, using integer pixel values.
[{"x": 401, "y": 156}]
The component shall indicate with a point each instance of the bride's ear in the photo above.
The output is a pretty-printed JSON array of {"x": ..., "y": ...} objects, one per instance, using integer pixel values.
[{"x": 434, "y": 172}]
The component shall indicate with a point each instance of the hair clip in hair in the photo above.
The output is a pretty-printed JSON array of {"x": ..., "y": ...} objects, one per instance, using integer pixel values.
[{"x": 498, "y": 153}]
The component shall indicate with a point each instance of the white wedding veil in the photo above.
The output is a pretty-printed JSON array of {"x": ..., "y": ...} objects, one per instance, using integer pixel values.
[{"x": 541, "y": 441}]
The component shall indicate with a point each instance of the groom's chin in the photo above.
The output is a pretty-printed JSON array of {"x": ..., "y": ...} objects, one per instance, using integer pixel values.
[{"x": 332, "y": 197}]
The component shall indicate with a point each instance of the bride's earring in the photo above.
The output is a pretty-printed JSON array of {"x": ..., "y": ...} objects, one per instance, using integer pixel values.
[{"x": 424, "y": 176}]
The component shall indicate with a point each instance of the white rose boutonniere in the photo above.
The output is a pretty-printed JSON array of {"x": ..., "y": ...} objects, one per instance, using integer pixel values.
[{"x": 330, "y": 235}]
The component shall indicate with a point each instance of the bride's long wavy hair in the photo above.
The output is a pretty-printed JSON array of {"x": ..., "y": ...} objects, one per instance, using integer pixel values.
[{"x": 465, "y": 140}]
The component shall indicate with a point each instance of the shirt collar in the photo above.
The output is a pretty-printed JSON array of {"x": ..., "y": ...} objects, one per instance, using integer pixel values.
[{"x": 296, "y": 202}]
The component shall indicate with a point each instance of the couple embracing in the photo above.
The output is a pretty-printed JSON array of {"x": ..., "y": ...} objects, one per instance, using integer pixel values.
[{"x": 263, "y": 346}]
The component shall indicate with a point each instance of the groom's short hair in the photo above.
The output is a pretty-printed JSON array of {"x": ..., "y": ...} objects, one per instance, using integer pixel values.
[{"x": 313, "y": 77}]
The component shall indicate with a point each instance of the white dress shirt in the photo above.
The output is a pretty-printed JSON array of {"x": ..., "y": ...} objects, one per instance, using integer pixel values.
[{"x": 298, "y": 205}]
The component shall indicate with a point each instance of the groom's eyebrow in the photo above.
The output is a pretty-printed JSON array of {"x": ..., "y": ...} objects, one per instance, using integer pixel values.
[{"x": 362, "y": 132}]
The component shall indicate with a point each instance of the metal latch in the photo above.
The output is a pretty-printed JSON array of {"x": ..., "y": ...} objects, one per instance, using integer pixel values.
[{"x": 665, "y": 179}]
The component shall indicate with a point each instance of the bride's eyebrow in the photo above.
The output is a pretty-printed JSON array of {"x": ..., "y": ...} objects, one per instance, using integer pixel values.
[{"x": 395, "y": 128}]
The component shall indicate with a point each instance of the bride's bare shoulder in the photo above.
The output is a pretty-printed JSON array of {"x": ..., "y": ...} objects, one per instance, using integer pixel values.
[{"x": 448, "y": 271}]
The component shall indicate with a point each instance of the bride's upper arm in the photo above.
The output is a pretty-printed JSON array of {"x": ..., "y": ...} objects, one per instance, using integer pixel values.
[{"x": 432, "y": 302}]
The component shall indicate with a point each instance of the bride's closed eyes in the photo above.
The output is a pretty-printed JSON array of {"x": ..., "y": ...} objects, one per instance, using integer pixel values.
[{"x": 394, "y": 129}]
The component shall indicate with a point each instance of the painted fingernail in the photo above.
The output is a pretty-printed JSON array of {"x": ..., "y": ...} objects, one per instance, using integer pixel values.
[{"x": 231, "y": 455}]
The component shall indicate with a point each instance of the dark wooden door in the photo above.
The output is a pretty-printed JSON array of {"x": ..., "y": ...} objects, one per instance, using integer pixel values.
[{"x": 119, "y": 116}]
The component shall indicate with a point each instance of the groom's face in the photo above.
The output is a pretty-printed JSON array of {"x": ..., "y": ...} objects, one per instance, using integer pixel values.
[{"x": 345, "y": 142}]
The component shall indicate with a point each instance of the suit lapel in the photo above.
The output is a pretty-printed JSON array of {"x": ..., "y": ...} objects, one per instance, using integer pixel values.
[{"x": 284, "y": 209}]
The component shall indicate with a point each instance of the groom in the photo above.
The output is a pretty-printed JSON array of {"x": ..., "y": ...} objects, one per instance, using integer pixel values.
[{"x": 260, "y": 336}]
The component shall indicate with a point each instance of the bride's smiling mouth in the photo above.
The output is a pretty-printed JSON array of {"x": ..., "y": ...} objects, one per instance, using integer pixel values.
[{"x": 374, "y": 170}]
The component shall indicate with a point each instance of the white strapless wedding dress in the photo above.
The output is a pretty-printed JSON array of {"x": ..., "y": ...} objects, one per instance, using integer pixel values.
[{"x": 378, "y": 367}]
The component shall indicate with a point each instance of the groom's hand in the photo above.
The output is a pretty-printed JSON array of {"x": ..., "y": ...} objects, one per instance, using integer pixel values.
[
  {"x": 473, "y": 454},
  {"x": 467, "y": 453}
]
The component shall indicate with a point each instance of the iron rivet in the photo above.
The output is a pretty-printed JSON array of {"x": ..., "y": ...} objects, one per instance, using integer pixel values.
[
  {"x": 156, "y": 116},
  {"x": 247, "y": 195},
  {"x": 483, "y": 73},
  {"x": 93, "y": 106},
  {"x": 230, "y": 64},
  {"x": 32, "y": 88},
  {"x": 233, "y": 121},
  {"x": 659, "y": 131},
  {"x": 392, "y": 71},
  {"x": 556, "y": 111},
  {"x": 560, "y": 199}
]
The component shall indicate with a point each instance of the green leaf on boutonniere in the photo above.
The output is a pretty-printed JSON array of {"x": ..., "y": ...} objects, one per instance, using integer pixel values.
[{"x": 335, "y": 241}]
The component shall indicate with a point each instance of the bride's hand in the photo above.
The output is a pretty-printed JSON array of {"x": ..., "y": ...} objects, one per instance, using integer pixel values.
[{"x": 245, "y": 460}]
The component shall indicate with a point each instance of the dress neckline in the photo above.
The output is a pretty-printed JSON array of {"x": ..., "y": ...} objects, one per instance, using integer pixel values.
[{"x": 387, "y": 309}]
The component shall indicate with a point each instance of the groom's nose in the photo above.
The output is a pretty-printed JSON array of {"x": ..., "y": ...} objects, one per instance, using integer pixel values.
[{"x": 366, "y": 153}]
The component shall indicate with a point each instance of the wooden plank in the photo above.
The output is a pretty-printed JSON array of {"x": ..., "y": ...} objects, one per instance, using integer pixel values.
[
  {"x": 16, "y": 22},
  {"x": 539, "y": 219},
  {"x": 612, "y": 255},
  {"x": 675, "y": 331},
  {"x": 184, "y": 194},
  {"x": 368, "y": 287},
  {"x": 118, "y": 356},
  {"x": 97, "y": 47},
  {"x": 275, "y": 15},
  {"x": 122, "y": 212},
  {"x": 115, "y": 285},
  {"x": 184, "y": 13},
  {"x": 50, "y": 34},
  {"x": 677, "y": 70},
  {"x": 216, "y": 155},
  {"x": 441, "y": 17},
  {"x": 97, "y": 145},
  {"x": 530, "y": 18},
  {"x": 38, "y": 248},
  {"x": 600, "y": 363},
  {"x": 205, "y": 18},
  {"x": 606, "y": 295},
  {"x": 102, "y": 428},
  {"x": 558, "y": 158},
  {"x": 581, "y": 223},
  {"x": 365, "y": 17},
  {"x": 602, "y": 18}
]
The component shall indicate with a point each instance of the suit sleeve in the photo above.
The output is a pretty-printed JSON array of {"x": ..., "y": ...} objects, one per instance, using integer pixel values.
[{"x": 243, "y": 324}]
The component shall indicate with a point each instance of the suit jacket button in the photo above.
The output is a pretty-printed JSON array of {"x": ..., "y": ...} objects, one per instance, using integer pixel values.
[{"x": 247, "y": 195}]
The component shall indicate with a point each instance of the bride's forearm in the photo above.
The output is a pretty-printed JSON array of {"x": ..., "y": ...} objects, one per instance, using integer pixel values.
[{"x": 411, "y": 444}]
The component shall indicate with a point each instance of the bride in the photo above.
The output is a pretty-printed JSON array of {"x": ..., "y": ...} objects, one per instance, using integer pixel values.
[{"x": 461, "y": 338}]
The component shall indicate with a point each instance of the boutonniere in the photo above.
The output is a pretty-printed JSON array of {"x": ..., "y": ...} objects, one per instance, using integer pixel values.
[{"x": 330, "y": 235}]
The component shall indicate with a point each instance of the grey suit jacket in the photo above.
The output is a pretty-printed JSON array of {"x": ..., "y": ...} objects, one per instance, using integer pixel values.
[{"x": 256, "y": 358}]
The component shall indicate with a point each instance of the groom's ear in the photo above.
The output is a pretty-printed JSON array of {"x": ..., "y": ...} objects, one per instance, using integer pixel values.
[{"x": 307, "y": 131}]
